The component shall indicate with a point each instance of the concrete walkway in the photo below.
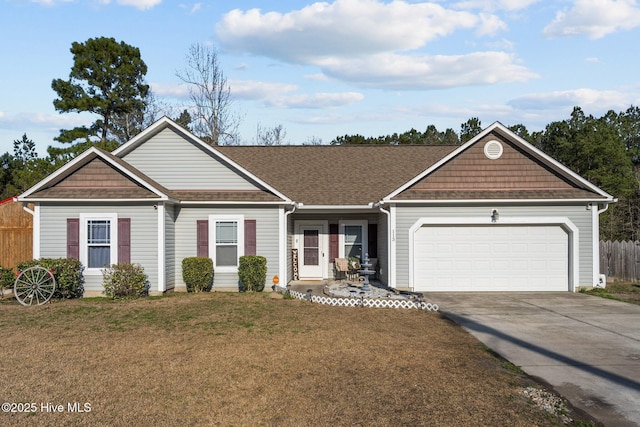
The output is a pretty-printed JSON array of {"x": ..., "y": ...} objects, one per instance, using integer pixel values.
[{"x": 587, "y": 348}]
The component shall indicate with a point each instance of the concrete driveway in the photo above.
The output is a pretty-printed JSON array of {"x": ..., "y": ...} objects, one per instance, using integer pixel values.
[{"x": 587, "y": 348}]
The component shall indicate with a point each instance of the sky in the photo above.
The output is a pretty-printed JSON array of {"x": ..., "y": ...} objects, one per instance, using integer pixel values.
[{"x": 325, "y": 69}]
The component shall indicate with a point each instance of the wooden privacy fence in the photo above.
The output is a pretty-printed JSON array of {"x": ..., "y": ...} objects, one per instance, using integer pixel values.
[
  {"x": 16, "y": 228},
  {"x": 620, "y": 260}
]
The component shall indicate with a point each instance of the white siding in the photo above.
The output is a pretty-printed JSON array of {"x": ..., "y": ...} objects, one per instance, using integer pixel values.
[
  {"x": 266, "y": 240},
  {"x": 579, "y": 215},
  {"x": 144, "y": 242},
  {"x": 179, "y": 164}
]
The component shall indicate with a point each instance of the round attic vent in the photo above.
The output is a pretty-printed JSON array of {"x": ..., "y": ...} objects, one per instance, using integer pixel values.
[{"x": 493, "y": 149}]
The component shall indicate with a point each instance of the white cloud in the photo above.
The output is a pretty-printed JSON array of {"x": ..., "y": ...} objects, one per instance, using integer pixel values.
[
  {"x": 318, "y": 100},
  {"x": 344, "y": 28},
  {"x": 373, "y": 44},
  {"x": 604, "y": 100},
  {"x": 317, "y": 77},
  {"x": 51, "y": 2},
  {"x": 595, "y": 19},
  {"x": 428, "y": 72},
  {"x": 39, "y": 121},
  {"x": 180, "y": 91},
  {"x": 140, "y": 4},
  {"x": 257, "y": 90},
  {"x": 509, "y": 5},
  {"x": 490, "y": 25}
]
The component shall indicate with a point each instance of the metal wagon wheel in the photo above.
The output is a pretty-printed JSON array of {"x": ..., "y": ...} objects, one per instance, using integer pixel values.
[{"x": 34, "y": 285}]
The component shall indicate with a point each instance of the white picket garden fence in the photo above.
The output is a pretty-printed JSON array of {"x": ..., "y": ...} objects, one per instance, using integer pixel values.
[{"x": 364, "y": 302}]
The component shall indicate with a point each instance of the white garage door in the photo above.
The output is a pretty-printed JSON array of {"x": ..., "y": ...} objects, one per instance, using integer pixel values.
[{"x": 491, "y": 258}]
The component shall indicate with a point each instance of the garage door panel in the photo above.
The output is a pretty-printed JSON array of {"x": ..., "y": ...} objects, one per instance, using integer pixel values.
[{"x": 491, "y": 258}]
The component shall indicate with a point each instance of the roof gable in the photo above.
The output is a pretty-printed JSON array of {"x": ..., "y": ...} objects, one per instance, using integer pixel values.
[
  {"x": 521, "y": 172},
  {"x": 96, "y": 175},
  {"x": 180, "y": 161}
]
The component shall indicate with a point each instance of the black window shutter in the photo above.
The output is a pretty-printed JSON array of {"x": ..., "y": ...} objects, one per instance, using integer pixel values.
[{"x": 372, "y": 240}]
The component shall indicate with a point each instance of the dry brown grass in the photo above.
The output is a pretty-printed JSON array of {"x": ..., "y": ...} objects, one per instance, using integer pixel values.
[
  {"x": 241, "y": 359},
  {"x": 621, "y": 291}
]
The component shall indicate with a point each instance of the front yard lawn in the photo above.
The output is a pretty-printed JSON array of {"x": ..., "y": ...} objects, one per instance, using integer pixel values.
[
  {"x": 621, "y": 291},
  {"x": 249, "y": 359}
]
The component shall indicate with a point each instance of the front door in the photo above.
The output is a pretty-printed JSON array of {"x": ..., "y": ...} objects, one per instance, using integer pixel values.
[{"x": 311, "y": 251}]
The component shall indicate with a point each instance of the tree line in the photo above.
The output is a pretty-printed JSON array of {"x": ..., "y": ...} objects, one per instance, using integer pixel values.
[{"x": 107, "y": 79}]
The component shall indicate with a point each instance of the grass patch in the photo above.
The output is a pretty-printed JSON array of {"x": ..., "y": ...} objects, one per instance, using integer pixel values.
[
  {"x": 619, "y": 291},
  {"x": 245, "y": 359}
]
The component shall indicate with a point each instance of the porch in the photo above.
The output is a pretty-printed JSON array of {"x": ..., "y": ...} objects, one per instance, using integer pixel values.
[{"x": 316, "y": 240}]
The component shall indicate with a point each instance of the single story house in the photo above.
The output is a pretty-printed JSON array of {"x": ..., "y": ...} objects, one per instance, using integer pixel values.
[{"x": 493, "y": 214}]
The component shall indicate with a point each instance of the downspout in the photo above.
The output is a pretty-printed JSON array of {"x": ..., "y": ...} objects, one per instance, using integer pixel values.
[
  {"x": 285, "y": 280},
  {"x": 389, "y": 236},
  {"x": 596, "y": 245},
  {"x": 24, "y": 206}
]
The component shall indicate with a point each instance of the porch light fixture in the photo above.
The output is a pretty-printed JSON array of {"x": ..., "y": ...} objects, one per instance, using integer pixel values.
[{"x": 495, "y": 216}]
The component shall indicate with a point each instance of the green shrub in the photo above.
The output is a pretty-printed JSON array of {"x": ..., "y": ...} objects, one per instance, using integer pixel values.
[
  {"x": 197, "y": 273},
  {"x": 124, "y": 280},
  {"x": 66, "y": 271},
  {"x": 252, "y": 273},
  {"x": 7, "y": 279}
]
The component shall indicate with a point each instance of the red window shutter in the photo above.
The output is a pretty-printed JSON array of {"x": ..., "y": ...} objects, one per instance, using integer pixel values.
[
  {"x": 372, "y": 241},
  {"x": 124, "y": 240},
  {"x": 203, "y": 237},
  {"x": 250, "y": 237},
  {"x": 334, "y": 245},
  {"x": 73, "y": 238}
]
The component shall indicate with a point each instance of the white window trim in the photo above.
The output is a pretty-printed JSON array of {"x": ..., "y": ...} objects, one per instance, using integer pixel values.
[
  {"x": 365, "y": 236},
  {"x": 212, "y": 241},
  {"x": 84, "y": 217}
]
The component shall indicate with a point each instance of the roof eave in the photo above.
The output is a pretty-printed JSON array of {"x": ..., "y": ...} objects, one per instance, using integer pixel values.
[
  {"x": 485, "y": 201},
  {"x": 231, "y": 202},
  {"x": 86, "y": 200}
]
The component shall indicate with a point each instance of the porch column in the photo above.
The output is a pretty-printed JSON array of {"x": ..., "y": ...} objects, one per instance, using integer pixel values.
[{"x": 282, "y": 245}]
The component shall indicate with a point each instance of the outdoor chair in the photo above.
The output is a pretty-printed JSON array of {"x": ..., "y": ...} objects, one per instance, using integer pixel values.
[
  {"x": 341, "y": 266},
  {"x": 354, "y": 266}
]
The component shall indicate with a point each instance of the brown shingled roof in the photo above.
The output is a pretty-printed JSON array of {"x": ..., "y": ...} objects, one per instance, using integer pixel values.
[
  {"x": 225, "y": 196},
  {"x": 336, "y": 175}
]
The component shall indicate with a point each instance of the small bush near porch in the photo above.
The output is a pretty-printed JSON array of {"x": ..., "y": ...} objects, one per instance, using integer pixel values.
[{"x": 250, "y": 359}]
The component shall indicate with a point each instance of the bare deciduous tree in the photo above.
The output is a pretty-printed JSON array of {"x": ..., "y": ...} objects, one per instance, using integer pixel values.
[
  {"x": 313, "y": 140},
  {"x": 213, "y": 118},
  {"x": 270, "y": 136}
]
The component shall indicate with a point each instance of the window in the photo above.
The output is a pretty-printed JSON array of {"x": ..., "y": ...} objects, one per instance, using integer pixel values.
[
  {"x": 353, "y": 238},
  {"x": 353, "y": 241},
  {"x": 227, "y": 241},
  {"x": 98, "y": 241}
]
